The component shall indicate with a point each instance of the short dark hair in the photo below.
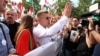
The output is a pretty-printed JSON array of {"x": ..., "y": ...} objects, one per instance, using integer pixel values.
[{"x": 76, "y": 18}]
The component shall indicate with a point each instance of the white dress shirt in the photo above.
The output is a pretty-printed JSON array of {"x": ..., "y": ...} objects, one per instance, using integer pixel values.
[{"x": 43, "y": 35}]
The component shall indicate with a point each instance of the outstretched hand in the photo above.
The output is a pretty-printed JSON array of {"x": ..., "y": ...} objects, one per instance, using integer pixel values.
[
  {"x": 91, "y": 25},
  {"x": 67, "y": 10}
]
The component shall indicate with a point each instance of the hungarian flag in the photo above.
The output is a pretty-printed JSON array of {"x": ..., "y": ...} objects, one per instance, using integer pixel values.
[
  {"x": 30, "y": 1},
  {"x": 19, "y": 7},
  {"x": 45, "y": 4},
  {"x": 31, "y": 11},
  {"x": 15, "y": 6},
  {"x": 22, "y": 10}
]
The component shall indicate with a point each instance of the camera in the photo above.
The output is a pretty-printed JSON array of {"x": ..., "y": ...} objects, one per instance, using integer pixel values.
[
  {"x": 80, "y": 29},
  {"x": 95, "y": 17},
  {"x": 94, "y": 14}
]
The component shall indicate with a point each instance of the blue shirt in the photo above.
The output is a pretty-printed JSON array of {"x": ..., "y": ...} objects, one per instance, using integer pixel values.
[
  {"x": 5, "y": 44},
  {"x": 97, "y": 50}
]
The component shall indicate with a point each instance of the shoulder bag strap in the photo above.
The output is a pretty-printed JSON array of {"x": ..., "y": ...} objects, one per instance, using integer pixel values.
[
  {"x": 4, "y": 36},
  {"x": 31, "y": 45}
]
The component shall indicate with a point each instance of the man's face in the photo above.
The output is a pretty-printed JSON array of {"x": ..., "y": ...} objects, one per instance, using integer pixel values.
[
  {"x": 3, "y": 4},
  {"x": 75, "y": 22},
  {"x": 53, "y": 21},
  {"x": 45, "y": 19},
  {"x": 10, "y": 16}
]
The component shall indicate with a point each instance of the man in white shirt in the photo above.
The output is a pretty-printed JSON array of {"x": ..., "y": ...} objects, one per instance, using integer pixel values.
[{"x": 42, "y": 33}]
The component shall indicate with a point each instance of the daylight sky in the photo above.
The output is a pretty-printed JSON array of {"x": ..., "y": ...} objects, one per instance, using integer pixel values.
[{"x": 75, "y": 2}]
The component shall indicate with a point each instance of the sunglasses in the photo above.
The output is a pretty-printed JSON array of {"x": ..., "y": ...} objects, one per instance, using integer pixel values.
[{"x": 48, "y": 18}]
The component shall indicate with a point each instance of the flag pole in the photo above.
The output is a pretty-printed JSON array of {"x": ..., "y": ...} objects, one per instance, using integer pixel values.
[{"x": 33, "y": 8}]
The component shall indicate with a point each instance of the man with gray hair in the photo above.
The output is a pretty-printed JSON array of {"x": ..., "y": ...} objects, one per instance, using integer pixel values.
[{"x": 9, "y": 21}]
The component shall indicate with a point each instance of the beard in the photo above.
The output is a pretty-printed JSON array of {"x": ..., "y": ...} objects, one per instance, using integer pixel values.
[{"x": 10, "y": 20}]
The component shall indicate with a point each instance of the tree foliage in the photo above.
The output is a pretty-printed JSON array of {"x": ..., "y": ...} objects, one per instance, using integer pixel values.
[
  {"x": 97, "y": 1},
  {"x": 82, "y": 8},
  {"x": 61, "y": 4},
  {"x": 34, "y": 4}
]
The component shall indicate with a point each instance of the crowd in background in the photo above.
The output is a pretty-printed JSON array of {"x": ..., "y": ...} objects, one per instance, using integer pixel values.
[{"x": 19, "y": 38}]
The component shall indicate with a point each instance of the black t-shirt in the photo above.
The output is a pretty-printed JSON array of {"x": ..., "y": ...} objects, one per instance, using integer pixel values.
[
  {"x": 12, "y": 30},
  {"x": 97, "y": 50},
  {"x": 69, "y": 45},
  {"x": 82, "y": 48}
]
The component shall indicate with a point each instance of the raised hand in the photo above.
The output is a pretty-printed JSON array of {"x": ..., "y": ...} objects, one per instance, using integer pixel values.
[
  {"x": 91, "y": 25},
  {"x": 67, "y": 10}
]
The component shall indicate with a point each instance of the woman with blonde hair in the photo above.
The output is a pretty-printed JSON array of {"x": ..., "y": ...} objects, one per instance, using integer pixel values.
[{"x": 24, "y": 37}]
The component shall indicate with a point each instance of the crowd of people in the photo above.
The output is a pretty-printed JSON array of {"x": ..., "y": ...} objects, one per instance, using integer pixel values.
[{"x": 19, "y": 38}]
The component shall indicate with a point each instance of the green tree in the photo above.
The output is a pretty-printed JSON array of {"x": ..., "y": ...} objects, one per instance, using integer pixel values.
[
  {"x": 27, "y": 5},
  {"x": 61, "y": 4},
  {"x": 96, "y": 1},
  {"x": 34, "y": 4},
  {"x": 82, "y": 8}
]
